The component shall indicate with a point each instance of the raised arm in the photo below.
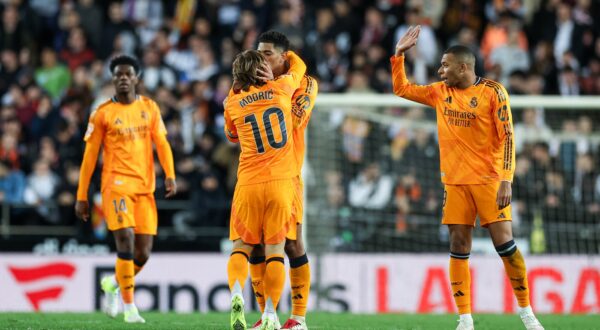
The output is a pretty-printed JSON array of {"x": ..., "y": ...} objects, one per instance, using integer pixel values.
[
  {"x": 402, "y": 87},
  {"x": 292, "y": 79},
  {"x": 303, "y": 102}
]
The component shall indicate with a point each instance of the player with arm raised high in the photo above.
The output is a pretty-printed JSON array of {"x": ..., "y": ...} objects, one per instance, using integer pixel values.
[
  {"x": 477, "y": 162},
  {"x": 126, "y": 126},
  {"x": 274, "y": 46},
  {"x": 258, "y": 115}
]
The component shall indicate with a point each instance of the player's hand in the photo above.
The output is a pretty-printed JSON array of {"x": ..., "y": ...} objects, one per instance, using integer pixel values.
[
  {"x": 265, "y": 73},
  {"x": 408, "y": 40},
  {"x": 170, "y": 187},
  {"x": 504, "y": 194},
  {"x": 82, "y": 210}
]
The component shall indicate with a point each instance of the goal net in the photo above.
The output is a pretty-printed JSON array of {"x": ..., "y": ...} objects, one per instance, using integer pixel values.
[{"x": 372, "y": 181}]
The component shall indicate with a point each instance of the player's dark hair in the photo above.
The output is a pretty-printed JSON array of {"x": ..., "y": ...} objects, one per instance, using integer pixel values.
[
  {"x": 463, "y": 53},
  {"x": 245, "y": 67},
  {"x": 124, "y": 60},
  {"x": 278, "y": 39}
]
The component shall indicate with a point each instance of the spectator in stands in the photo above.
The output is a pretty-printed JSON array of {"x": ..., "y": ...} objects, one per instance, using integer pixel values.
[
  {"x": 9, "y": 70},
  {"x": 41, "y": 186},
  {"x": 47, "y": 152},
  {"x": 186, "y": 59},
  {"x": 530, "y": 130},
  {"x": 77, "y": 52},
  {"x": 585, "y": 189},
  {"x": 375, "y": 31},
  {"x": 524, "y": 184},
  {"x": 459, "y": 14},
  {"x": 590, "y": 77},
  {"x": 92, "y": 22},
  {"x": 544, "y": 63},
  {"x": 81, "y": 87},
  {"x": 558, "y": 202},
  {"x": 422, "y": 157},
  {"x": 332, "y": 67},
  {"x": 44, "y": 120},
  {"x": 25, "y": 102},
  {"x": 408, "y": 199},
  {"x": 207, "y": 67},
  {"x": 68, "y": 19},
  {"x": 155, "y": 73},
  {"x": 9, "y": 151},
  {"x": 66, "y": 194},
  {"x": 116, "y": 26},
  {"x": 542, "y": 163},
  {"x": 510, "y": 56},
  {"x": 246, "y": 32},
  {"x": 148, "y": 17},
  {"x": 52, "y": 76},
  {"x": 14, "y": 35},
  {"x": 12, "y": 184},
  {"x": 427, "y": 48},
  {"x": 371, "y": 189},
  {"x": 68, "y": 139},
  {"x": 497, "y": 33},
  {"x": 289, "y": 22},
  {"x": 567, "y": 34},
  {"x": 568, "y": 83}
]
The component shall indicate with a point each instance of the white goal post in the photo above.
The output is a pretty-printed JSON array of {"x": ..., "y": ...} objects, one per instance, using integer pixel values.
[{"x": 517, "y": 101}]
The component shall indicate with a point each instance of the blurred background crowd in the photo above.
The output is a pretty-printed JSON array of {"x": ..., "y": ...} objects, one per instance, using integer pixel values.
[{"x": 53, "y": 73}]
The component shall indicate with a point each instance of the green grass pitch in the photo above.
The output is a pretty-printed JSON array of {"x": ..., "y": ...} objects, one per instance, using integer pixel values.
[{"x": 315, "y": 321}]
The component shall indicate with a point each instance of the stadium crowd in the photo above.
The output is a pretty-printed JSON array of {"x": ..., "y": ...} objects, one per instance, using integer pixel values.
[{"x": 54, "y": 56}]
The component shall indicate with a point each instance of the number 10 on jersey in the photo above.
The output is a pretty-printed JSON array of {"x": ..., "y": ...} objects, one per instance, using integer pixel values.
[{"x": 268, "y": 128}]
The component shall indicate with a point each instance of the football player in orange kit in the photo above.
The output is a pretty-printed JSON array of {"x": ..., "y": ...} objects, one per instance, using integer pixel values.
[
  {"x": 477, "y": 161},
  {"x": 126, "y": 126},
  {"x": 273, "y": 46},
  {"x": 258, "y": 115}
]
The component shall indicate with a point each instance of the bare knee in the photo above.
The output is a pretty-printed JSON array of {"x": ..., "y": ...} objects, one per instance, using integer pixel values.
[
  {"x": 460, "y": 238},
  {"x": 124, "y": 240},
  {"x": 294, "y": 248},
  {"x": 258, "y": 251},
  {"x": 141, "y": 255}
]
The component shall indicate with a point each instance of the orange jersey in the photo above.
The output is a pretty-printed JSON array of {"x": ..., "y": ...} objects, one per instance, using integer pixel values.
[
  {"x": 475, "y": 128},
  {"x": 303, "y": 103},
  {"x": 126, "y": 132},
  {"x": 261, "y": 120}
]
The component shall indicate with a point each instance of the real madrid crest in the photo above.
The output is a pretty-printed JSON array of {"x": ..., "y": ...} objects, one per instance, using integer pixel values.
[{"x": 473, "y": 103}]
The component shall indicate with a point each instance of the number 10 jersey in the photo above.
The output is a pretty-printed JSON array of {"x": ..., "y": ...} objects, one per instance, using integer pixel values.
[{"x": 260, "y": 119}]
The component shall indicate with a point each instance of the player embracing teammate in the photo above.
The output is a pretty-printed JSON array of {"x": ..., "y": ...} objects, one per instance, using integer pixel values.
[{"x": 268, "y": 117}]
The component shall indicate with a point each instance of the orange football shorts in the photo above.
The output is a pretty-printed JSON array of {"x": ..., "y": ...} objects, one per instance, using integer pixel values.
[
  {"x": 123, "y": 210},
  {"x": 262, "y": 212},
  {"x": 462, "y": 203}
]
